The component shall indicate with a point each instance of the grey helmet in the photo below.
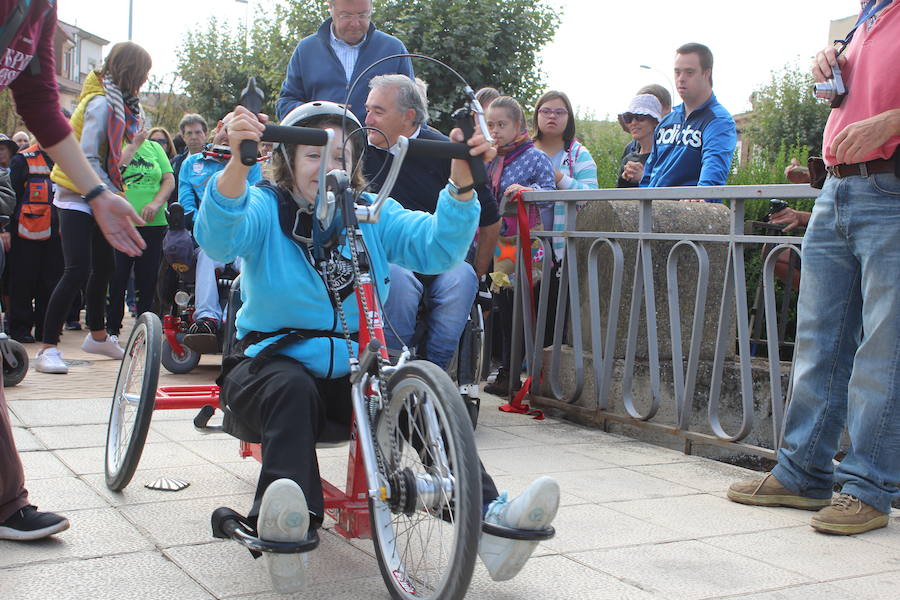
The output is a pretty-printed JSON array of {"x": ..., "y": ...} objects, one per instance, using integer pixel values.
[{"x": 318, "y": 108}]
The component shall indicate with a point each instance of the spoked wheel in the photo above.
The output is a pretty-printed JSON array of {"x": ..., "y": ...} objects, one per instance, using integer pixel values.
[
  {"x": 179, "y": 364},
  {"x": 133, "y": 402},
  {"x": 426, "y": 532}
]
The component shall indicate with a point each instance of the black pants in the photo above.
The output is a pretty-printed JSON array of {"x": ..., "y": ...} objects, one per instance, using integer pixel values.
[
  {"x": 34, "y": 269},
  {"x": 290, "y": 409},
  {"x": 146, "y": 267},
  {"x": 88, "y": 258}
]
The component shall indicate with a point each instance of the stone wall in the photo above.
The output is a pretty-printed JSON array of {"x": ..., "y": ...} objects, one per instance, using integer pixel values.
[{"x": 669, "y": 217}]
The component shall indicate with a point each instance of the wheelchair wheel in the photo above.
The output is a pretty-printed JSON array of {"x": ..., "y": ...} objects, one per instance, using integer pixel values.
[
  {"x": 175, "y": 364},
  {"x": 13, "y": 375},
  {"x": 426, "y": 533},
  {"x": 133, "y": 402}
]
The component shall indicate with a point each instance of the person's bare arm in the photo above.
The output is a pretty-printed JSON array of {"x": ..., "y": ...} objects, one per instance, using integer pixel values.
[
  {"x": 858, "y": 139},
  {"x": 128, "y": 152},
  {"x": 487, "y": 241},
  {"x": 114, "y": 215},
  {"x": 166, "y": 185},
  {"x": 790, "y": 218}
]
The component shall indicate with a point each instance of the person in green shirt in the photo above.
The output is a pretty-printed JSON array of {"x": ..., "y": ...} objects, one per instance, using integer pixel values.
[{"x": 148, "y": 182}]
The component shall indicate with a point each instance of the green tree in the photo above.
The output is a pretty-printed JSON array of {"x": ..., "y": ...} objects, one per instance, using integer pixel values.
[
  {"x": 786, "y": 114},
  {"x": 489, "y": 42}
]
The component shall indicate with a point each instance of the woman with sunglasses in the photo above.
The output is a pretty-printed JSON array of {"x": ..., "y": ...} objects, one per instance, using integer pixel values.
[{"x": 640, "y": 120}]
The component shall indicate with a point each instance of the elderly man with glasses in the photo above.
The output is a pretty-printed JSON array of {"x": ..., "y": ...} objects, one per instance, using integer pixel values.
[{"x": 325, "y": 64}]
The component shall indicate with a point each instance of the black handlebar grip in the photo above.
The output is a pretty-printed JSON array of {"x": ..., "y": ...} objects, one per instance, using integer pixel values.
[
  {"x": 306, "y": 136},
  {"x": 251, "y": 99},
  {"x": 438, "y": 149},
  {"x": 463, "y": 119}
]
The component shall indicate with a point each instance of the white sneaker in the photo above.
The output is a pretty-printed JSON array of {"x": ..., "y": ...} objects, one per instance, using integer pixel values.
[
  {"x": 534, "y": 509},
  {"x": 109, "y": 347},
  {"x": 49, "y": 360},
  {"x": 284, "y": 517}
]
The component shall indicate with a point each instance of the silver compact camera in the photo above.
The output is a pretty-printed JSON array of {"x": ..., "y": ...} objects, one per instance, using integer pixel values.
[{"x": 832, "y": 90}]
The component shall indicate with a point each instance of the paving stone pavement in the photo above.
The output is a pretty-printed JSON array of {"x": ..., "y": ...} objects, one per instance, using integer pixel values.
[{"x": 637, "y": 521}]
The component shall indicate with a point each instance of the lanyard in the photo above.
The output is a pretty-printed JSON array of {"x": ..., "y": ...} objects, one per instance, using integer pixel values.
[{"x": 867, "y": 13}]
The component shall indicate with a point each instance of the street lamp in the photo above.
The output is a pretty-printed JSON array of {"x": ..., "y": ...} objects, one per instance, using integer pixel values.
[{"x": 669, "y": 79}]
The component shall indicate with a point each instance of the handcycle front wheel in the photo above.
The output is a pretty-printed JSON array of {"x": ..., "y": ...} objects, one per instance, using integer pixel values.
[
  {"x": 133, "y": 401},
  {"x": 178, "y": 364},
  {"x": 426, "y": 532}
]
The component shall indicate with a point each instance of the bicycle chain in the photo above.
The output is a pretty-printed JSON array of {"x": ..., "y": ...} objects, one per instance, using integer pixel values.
[{"x": 354, "y": 261}]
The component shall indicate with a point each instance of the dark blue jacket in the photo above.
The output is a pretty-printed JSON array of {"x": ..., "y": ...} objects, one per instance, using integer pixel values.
[
  {"x": 315, "y": 73},
  {"x": 693, "y": 151}
]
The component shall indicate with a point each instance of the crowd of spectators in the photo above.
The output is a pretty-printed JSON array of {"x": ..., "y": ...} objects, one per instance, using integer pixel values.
[{"x": 58, "y": 247}]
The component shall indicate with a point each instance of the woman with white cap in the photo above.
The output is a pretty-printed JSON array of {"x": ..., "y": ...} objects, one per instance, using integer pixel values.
[{"x": 640, "y": 120}]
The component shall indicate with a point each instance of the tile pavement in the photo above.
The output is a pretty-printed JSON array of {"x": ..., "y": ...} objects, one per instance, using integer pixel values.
[{"x": 637, "y": 521}]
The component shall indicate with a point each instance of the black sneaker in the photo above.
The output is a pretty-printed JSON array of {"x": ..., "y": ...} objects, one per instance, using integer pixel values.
[
  {"x": 24, "y": 339},
  {"x": 500, "y": 387},
  {"x": 28, "y": 523},
  {"x": 204, "y": 325},
  {"x": 73, "y": 326}
]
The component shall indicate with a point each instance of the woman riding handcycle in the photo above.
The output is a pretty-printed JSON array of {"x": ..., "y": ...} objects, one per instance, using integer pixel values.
[{"x": 290, "y": 383}]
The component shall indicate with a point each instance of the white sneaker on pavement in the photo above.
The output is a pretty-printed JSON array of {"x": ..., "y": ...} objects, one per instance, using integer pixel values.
[
  {"x": 284, "y": 517},
  {"x": 535, "y": 509},
  {"x": 49, "y": 360},
  {"x": 109, "y": 347}
]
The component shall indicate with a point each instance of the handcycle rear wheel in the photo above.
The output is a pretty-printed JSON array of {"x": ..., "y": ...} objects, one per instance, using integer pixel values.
[
  {"x": 133, "y": 401},
  {"x": 426, "y": 533}
]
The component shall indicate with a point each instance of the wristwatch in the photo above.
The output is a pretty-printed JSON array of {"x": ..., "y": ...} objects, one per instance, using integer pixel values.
[
  {"x": 455, "y": 189},
  {"x": 94, "y": 193}
]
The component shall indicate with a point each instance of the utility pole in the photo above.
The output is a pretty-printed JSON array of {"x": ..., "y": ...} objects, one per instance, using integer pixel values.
[{"x": 130, "y": 14}]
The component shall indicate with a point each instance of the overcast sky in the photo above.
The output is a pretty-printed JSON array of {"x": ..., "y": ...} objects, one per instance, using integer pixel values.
[{"x": 597, "y": 51}]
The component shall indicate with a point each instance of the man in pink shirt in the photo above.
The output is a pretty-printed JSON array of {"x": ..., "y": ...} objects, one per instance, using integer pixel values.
[{"x": 847, "y": 355}]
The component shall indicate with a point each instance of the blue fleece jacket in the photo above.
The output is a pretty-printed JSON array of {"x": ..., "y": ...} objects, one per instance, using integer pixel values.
[
  {"x": 315, "y": 73},
  {"x": 282, "y": 289},
  {"x": 691, "y": 151},
  {"x": 195, "y": 174}
]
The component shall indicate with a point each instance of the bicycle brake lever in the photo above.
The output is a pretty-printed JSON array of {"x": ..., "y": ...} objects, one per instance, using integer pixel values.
[
  {"x": 324, "y": 200},
  {"x": 369, "y": 214},
  {"x": 463, "y": 119},
  {"x": 475, "y": 107},
  {"x": 251, "y": 99}
]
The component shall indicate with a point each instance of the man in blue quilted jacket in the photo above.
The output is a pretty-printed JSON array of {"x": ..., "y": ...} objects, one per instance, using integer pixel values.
[{"x": 324, "y": 65}]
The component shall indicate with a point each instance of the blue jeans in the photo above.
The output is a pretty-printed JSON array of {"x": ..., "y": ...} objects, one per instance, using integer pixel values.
[
  {"x": 847, "y": 356},
  {"x": 448, "y": 299}
]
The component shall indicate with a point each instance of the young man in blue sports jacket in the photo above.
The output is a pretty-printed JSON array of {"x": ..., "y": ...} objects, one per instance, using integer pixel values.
[{"x": 694, "y": 143}]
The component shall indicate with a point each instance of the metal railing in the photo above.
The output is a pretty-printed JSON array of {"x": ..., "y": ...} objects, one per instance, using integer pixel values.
[{"x": 733, "y": 311}]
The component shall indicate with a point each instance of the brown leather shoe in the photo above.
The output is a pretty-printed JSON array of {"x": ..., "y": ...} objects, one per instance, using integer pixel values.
[
  {"x": 848, "y": 515},
  {"x": 767, "y": 491}
]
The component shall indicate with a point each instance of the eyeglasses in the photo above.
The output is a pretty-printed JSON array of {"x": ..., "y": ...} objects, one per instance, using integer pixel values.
[
  {"x": 553, "y": 112},
  {"x": 628, "y": 118},
  {"x": 363, "y": 16},
  {"x": 160, "y": 141}
]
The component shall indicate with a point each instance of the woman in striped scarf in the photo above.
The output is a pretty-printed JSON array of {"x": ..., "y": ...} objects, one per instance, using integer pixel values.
[{"x": 107, "y": 117}]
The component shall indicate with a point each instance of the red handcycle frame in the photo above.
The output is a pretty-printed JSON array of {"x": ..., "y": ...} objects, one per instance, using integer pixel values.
[{"x": 351, "y": 508}]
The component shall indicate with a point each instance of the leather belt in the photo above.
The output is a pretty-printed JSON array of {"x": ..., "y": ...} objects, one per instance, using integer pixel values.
[{"x": 863, "y": 169}]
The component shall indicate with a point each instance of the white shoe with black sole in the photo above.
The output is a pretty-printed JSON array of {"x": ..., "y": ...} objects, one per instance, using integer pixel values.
[{"x": 284, "y": 517}]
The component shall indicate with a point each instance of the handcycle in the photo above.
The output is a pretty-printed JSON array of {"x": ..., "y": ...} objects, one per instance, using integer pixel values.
[
  {"x": 181, "y": 351},
  {"x": 413, "y": 482}
]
